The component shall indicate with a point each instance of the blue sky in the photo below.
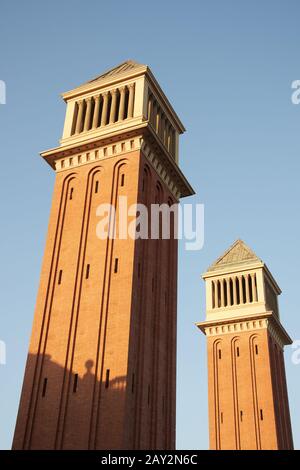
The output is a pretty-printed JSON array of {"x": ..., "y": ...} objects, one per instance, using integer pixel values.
[{"x": 227, "y": 67}]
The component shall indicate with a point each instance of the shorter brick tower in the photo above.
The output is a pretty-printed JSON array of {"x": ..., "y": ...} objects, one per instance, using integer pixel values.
[{"x": 248, "y": 401}]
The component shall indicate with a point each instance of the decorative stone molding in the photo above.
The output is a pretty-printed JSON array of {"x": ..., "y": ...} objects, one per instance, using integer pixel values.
[
  {"x": 268, "y": 322},
  {"x": 119, "y": 148},
  {"x": 99, "y": 153},
  {"x": 154, "y": 156},
  {"x": 278, "y": 333},
  {"x": 235, "y": 327}
]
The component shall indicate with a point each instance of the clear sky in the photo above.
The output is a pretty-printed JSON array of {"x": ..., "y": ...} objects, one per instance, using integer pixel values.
[{"x": 227, "y": 67}]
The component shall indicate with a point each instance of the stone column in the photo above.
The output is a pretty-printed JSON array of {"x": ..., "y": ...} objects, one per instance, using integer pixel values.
[
  {"x": 169, "y": 137},
  {"x": 216, "y": 294},
  {"x": 234, "y": 291},
  {"x": 96, "y": 112},
  {"x": 150, "y": 108},
  {"x": 242, "y": 300},
  {"x": 173, "y": 143},
  {"x": 247, "y": 288},
  {"x": 112, "y": 116},
  {"x": 158, "y": 123},
  {"x": 254, "y": 288},
  {"x": 104, "y": 109},
  {"x": 153, "y": 121},
  {"x": 229, "y": 299},
  {"x": 79, "y": 117},
  {"x": 122, "y": 91},
  {"x": 162, "y": 128},
  {"x": 131, "y": 100},
  {"x": 222, "y": 294},
  {"x": 87, "y": 119}
]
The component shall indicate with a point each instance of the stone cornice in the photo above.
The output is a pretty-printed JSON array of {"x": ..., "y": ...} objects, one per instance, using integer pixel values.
[
  {"x": 112, "y": 150},
  {"x": 233, "y": 269},
  {"x": 108, "y": 131},
  {"x": 160, "y": 158},
  {"x": 255, "y": 322},
  {"x": 89, "y": 154},
  {"x": 110, "y": 80},
  {"x": 143, "y": 138},
  {"x": 89, "y": 143}
]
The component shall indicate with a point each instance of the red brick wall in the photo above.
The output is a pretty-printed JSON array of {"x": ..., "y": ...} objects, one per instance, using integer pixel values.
[
  {"x": 122, "y": 322},
  {"x": 244, "y": 406}
]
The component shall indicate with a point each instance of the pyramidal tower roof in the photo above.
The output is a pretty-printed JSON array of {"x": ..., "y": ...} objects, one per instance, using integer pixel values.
[
  {"x": 113, "y": 75},
  {"x": 238, "y": 254},
  {"x": 124, "y": 67}
]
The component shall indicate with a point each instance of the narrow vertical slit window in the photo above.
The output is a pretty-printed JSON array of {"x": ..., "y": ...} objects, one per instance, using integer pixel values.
[
  {"x": 231, "y": 291},
  {"x": 238, "y": 352},
  {"x": 116, "y": 117},
  {"x": 126, "y": 102},
  {"x": 122, "y": 179},
  {"x": 221, "y": 417},
  {"x": 44, "y": 386},
  {"x": 256, "y": 349},
  {"x": 237, "y": 285},
  {"x": 96, "y": 186},
  {"x": 83, "y": 115},
  {"x": 74, "y": 119},
  {"x": 241, "y": 415},
  {"x": 71, "y": 193},
  {"x": 108, "y": 107},
  {"x": 261, "y": 415},
  {"x": 220, "y": 354},
  {"x": 225, "y": 292},
  {"x": 219, "y": 293},
  {"x": 250, "y": 288},
  {"x": 100, "y": 111},
  {"x": 107, "y": 378},
  {"x": 255, "y": 288},
  {"x": 92, "y": 112},
  {"x": 244, "y": 290},
  {"x": 87, "y": 273},
  {"x": 116, "y": 267},
  {"x": 60, "y": 276},
  {"x": 75, "y": 383}
]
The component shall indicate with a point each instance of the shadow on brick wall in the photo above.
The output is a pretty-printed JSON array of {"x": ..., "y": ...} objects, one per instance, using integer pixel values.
[{"x": 70, "y": 410}]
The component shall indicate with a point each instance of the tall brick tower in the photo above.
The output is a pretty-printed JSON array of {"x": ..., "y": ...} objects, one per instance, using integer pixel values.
[
  {"x": 101, "y": 366},
  {"x": 248, "y": 401}
]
